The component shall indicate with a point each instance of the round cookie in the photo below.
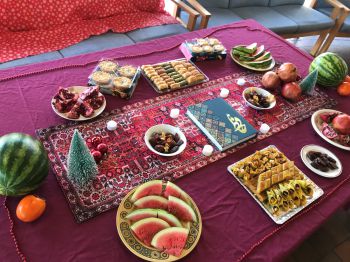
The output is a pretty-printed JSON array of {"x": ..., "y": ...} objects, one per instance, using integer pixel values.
[
  {"x": 128, "y": 71},
  {"x": 108, "y": 66},
  {"x": 122, "y": 82},
  {"x": 101, "y": 78}
]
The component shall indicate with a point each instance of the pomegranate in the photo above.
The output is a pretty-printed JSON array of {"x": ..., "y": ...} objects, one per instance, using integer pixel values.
[
  {"x": 291, "y": 91},
  {"x": 288, "y": 72},
  {"x": 341, "y": 123},
  {"x": 270, "y": 80}
]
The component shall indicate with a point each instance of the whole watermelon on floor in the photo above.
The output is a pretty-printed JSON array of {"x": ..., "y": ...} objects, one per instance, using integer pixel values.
[
  {"x": 23, "y": 164},
  {"x": 332, "y": 69}
]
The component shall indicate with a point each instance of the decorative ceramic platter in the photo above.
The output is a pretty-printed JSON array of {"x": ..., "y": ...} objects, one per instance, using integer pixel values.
[
  {"x": 253, "y": 68},
  {"x": 307, "y": 161},
  {"x": 316, "y": 122},
  {"x": 78, "y": 90},
  {"x": 318, "y": 192},
  {"x": 148, "y": 253}
]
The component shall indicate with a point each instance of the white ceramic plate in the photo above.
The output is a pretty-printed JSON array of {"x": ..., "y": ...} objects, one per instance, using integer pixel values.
[
  {"x": 307, "y": 161},
  {"x": 316, "y": 120},
  {"x": 78, "y": 90},
  {"x": 253, "y": 68},
  {"x": 167, "y": 129},
  {"x": 259, "y": 91}
]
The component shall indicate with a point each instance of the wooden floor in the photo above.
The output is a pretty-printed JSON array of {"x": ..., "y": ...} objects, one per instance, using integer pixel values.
[{"x": 331, "y": 242}]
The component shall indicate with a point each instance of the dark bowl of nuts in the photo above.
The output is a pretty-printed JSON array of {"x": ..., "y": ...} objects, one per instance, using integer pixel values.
[
  {"x": 259, "y": 98},
  {"x": 165, "y": 140}
]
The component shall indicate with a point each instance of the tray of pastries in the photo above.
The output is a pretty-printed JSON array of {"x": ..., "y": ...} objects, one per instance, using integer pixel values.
[
  {"x": 276, "y": 183},
  {"x": 115, "y": 79},
  {"x": 173, "y": 75}
]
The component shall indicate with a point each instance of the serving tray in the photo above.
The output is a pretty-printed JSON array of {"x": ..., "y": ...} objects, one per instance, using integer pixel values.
[{"x": 318, "y": 192}]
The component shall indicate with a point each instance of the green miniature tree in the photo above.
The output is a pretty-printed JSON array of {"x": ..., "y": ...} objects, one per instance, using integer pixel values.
[
  {"x": 81, "y": 164},
  {"x": 309, "y": 82}
]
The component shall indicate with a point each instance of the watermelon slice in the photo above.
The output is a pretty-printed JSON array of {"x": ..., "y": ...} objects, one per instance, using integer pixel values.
[
  {"x": 139, "y": 214},
  {"x": 181, "y": 209},
  {"x": 173, "y": 190},
  {"x": 169, "y": 218},
  {"x": 171, "y": 240},
  {"x": 153, "y": 187},
  {"x": 146, "y": 228},
  {"x": 152, "y": 202}
]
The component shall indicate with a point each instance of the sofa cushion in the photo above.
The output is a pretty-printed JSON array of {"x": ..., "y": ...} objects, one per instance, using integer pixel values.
[
  {"x": 286, "y": 2},
  {"x": 243, "y": 3},
  {"x": 324, "y": 3},
  {"x": 96, "y": 43},
  {"x": 149, "y": 33},
  {"x": 307, "y": 19},
  {"x": 269, "y": 18},
  {"x": 346, "y": 25},
  {"x": 214, "y": 3},
  {"x": 219, "y": 16},
  {"x": 32, "y": 59}
]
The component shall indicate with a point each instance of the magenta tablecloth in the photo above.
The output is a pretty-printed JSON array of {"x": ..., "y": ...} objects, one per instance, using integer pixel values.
[{"x": 234, "y": 226}]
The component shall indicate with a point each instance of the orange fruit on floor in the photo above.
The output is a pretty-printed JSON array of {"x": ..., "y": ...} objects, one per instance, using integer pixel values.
[{"x": 30, "y": 208}]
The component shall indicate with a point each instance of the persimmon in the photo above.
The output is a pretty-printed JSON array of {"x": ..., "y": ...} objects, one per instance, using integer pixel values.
[
  {"x": 30, "y": 208},
  {"x": 347, "y": 79},
  {"x": 344, "y": 89}
]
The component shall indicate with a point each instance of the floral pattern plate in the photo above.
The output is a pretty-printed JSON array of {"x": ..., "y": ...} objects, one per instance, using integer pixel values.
[{"x": 149, "y": 253}]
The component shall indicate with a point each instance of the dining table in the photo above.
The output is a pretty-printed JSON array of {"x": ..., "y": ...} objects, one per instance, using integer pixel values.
[{"x": 234, "y": 226}]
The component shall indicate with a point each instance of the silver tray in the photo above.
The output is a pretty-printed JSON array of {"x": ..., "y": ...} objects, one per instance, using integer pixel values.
[
  {"x": 206, "y": 79},
  {"x": 318, "y": 192}
]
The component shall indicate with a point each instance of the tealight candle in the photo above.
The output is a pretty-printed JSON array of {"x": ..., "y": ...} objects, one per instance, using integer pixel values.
[
  {"x": 224, "y": 92},
  {"x": 264, "y": 128},
  {"x": 207, "y": 150},
  {"x": 111, "y": 125},
  {"x": 174, "y": 113},
  {"x": 240, "y": 81}
]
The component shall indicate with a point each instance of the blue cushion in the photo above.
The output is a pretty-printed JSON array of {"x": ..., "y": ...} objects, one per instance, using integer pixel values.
[
  {"x": 214, "y": 3},
  {"x": 269, "y": 18},
  {"x": 149, "y": 33},
  {"x": 219, "y": 16},
  {"x": 324, "y": 3},
  {"x": 307, "y": 19},
  {"x": 346, "y": 25},
  {"x": 32, "y": 59},
  {"x": 243, "y": 3},
  {"x": 97, "y": 43},
  {"x": 286, "y": 2}
]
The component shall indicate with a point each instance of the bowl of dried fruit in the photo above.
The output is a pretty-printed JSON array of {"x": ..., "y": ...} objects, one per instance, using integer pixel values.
[
  {"x": 259, "y": 98},
  {"x": 165, "y": 140}
]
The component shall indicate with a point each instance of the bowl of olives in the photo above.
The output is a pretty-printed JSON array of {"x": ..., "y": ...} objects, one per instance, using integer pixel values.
[{"x": 165, "y": 140}]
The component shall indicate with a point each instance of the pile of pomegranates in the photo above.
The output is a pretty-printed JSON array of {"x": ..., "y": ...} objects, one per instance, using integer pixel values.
[{"x": 285, "y": 77}]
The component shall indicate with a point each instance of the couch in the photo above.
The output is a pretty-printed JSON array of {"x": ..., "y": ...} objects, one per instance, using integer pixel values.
[{"x": 288, "y": 18}]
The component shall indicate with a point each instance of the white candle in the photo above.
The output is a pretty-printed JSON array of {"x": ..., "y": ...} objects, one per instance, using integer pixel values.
[
  {"x": 224, "y": 92},
  {"x": 240, "y": 81},
  {"x": 207, "y": 150},
  {"x": 111, "y": 125},
  {"x": 264, "y": 128},
  {"x": 174, "y": 113}
]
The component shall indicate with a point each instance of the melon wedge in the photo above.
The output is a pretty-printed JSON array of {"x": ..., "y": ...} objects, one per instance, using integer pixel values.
[
  {"x": 173, "y": 190},
  {"x": 153, "y": 187},
  {"x": 139, "y": 214},
  {"x": 152, "y": 202},
  {"x": 171, "y": 240},
  {"x": 172, "y": 220},
  {"x": 145, "y": 229},
  {"x": 181, "y": 209}
]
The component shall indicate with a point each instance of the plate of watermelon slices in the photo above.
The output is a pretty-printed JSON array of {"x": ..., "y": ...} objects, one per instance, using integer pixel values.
[{"x": 158, "y": 221}]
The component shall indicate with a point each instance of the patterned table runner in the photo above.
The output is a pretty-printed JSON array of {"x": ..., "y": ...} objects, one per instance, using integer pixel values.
[{"x": 130, "y": 163}]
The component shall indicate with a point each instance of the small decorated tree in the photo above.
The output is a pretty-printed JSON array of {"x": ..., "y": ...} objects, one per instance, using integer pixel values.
[
  {"x": 81, "y": 164},
  {"x": 309, "y": 82}
]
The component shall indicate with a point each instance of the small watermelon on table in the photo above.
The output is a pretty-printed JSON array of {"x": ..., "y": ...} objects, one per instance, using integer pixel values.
[
  {"x": 23, "y": 164},
  {"x": 332, "y": 69}
]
